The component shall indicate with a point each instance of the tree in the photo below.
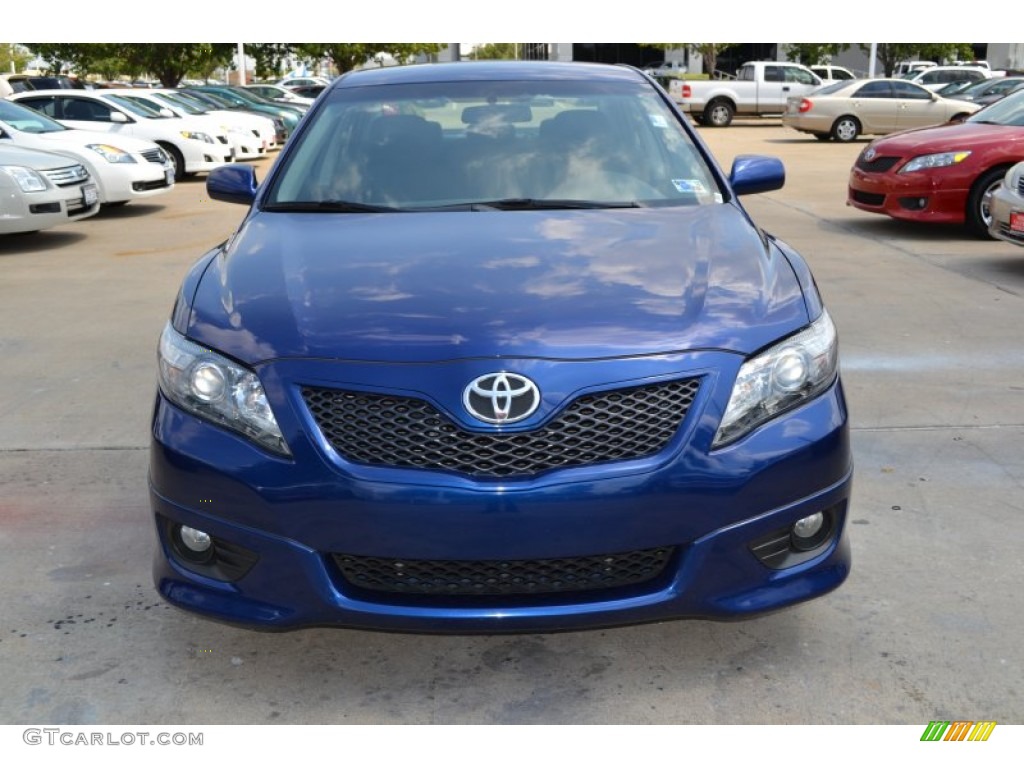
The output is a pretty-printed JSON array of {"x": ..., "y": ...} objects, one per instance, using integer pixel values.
[
  {"x": 268, "y": 57},
  {"x": 708, "y": 51},
  {"x": 890, "y": 54},
  {"x": 494, "y": 51},
  {"x": 77, "y": 58},
  {"x": 13, "y": 57},
  {"x": 170, "y": 62},
  {"x": 348, "y": 56},
  {"x": 814, "y": 53}
]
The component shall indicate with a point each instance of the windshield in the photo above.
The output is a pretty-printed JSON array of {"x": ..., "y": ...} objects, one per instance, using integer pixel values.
[
  {"x": 178, "y": 105},
  {"x": 187, "y": 103},
  {"x": 23, "y": 118},
  {"x": 135, "y": 107},
  {"x": 507, "y": 145},
  {"x": 1009, "y": 110}
]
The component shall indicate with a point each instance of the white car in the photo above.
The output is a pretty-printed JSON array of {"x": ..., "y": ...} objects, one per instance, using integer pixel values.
[
  {"x": 1006, "y": 207},
  {"x": 935, "y": 78},
  {"x": 193, "y": 146},
  {"x": 279, "y": 93},
  {"x": 245, "y": 144},
  {"x": 124, "y": 168},
  {"x": 830, "y": 73},
  {"x": 39, "y": 190},
  {"x": 290, "y": 82}
]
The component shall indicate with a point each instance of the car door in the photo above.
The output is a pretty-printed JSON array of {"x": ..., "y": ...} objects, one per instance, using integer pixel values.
[
  {"x": 917, "y": 107},
  {"x": 874, "y": 106},
  {"x": 91, "y": 115}
]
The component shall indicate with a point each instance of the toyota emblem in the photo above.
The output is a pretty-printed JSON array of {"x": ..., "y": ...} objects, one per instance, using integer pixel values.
[{"x": 501, "y": 398}]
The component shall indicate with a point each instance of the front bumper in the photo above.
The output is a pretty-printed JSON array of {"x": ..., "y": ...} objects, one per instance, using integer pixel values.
[
  {"x": 704, "y": 509},
  {"x": 1007, "y": 208},
  {"x": 924, "y": 196}
]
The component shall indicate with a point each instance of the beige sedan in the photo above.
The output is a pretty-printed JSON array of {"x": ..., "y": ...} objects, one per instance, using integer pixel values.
[{"x": 845, "y": 110}]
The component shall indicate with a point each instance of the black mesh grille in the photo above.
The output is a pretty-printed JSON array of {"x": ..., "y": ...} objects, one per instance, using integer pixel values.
[
  {"x": 383, "y": 430},
  {"x": 878, "y": 165},
  {"x": 503, "y": 577},
  {"x": 867, "y": 198}
]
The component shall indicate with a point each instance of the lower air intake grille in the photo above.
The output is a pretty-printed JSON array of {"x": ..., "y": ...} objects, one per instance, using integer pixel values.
[{"x": 503, "y": 577}]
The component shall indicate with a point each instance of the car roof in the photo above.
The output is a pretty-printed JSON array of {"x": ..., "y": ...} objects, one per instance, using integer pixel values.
[{"x": 489, "y": 70}]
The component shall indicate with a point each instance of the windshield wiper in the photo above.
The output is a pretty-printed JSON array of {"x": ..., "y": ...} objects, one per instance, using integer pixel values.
[
  {"x": 537, "y": 204},
  {"x": 331, "y": 206}
]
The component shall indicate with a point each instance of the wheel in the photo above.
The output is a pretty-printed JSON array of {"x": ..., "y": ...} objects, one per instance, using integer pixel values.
[
  {"x": 176, "y": 160},
  {"x": 978, "y": 215},
  {"x": 822, "y": 136},
  {"x": 718, "y": 114},
  {"x": 846, "y": 128}
]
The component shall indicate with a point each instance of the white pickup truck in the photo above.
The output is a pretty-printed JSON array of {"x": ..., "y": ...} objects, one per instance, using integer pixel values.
[{"x": 759, "y": 90}]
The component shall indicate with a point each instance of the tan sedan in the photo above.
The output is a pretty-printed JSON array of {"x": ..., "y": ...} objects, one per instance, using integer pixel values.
[{"x": 845, "y": 110}]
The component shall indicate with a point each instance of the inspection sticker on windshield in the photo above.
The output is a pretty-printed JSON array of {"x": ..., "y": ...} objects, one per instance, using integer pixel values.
[
  {"x": 658, "y": 121},
  {"x": 693, "y": 186}
]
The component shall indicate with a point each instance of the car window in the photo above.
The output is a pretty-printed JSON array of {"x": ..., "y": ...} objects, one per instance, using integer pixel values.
[
  {"x": 468, "y": 143},
  {"x": 22, "y": 118},
  {"x": 905, "y": 90},
  {"x": 72, "y": 108},
  {"x": 773, "y": 75},
  {"x": 797, "y": 75},
  {"x": 874, "y": 89},
  {"x": 1009, "y": 110},
  {"x": 46, "y": 105},
  {"x": 136, "y": 108},
  {"x": 842, "y": 74}
]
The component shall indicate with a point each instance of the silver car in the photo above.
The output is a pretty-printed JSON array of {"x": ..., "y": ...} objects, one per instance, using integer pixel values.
[
  {"x": 1007, "y": 207},
  {"x": 39, "y": 190},
  {"x": 850, "y": 108}
]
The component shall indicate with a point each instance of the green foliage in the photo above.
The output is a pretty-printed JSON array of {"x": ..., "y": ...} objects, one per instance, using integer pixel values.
[
  {"x": 13, "y": 53},
  {"x": 348, "y": 56},
  {"x": 268, "y": 57},
  {"x": 889, "y": 54},
  {"x": 494, "y": 51},
  {"x": 814, "y": 53}
]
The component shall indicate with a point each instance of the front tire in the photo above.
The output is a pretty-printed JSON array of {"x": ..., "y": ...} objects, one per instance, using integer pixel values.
[
  {"x": 979, "y": 213},
  {"x": 718, "y": 114},
  {"x": 846, "y": 129}
]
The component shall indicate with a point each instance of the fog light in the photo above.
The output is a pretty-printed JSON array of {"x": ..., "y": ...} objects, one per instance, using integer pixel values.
[
  {"x": 196, "y": 541},
  {"x": 809, "y": 532}
]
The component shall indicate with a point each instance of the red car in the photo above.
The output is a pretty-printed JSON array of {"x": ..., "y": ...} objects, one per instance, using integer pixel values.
[{"x": 943, "y": 174}]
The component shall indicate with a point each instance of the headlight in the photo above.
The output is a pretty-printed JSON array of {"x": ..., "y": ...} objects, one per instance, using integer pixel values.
[
  {"x": 215, "y": 388},
  {"x": 27, "y": 179},
  {"x": 198, "y": 136},
  {"x": 111, "y": 154},
  {"x": 781, "y": 378},
  {"x": 940, "y": 160}
]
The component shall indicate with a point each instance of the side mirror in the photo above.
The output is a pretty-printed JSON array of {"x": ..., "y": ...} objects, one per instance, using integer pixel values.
[
  {"x": 119, "y": 117},
  {"x": 235, "y": 183},
  {"x": 752, "y": 174}
]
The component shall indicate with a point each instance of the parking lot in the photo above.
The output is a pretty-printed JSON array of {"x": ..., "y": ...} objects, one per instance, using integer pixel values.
[{"x": 927, "y": 627}]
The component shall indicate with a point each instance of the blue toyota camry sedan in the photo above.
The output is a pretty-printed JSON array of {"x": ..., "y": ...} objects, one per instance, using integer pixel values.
[{"x": 497, "y": 348}]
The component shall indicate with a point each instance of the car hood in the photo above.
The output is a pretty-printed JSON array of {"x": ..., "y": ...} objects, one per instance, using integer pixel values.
[
  {"x": 434, "y": 286},
  {"x": 943, "y": 138},
  {"x": 74, "y": 138}
]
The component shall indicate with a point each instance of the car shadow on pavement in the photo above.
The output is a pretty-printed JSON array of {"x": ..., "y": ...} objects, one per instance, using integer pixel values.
[
  {"x": 132, "y": 211},
  {"x": 14, "y": 245}
]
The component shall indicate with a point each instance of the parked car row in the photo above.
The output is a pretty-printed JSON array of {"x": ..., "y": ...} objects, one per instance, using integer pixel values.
[{"x": 131, "y": 143}]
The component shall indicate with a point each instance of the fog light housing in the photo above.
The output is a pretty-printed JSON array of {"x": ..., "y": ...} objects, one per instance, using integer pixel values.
[
  {"x": 205, "y": 554},
  {"x": 801, "y": 541}
]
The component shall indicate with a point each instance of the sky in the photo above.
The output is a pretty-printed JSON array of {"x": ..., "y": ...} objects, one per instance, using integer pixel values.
[{"x": 534, "y": 20}]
